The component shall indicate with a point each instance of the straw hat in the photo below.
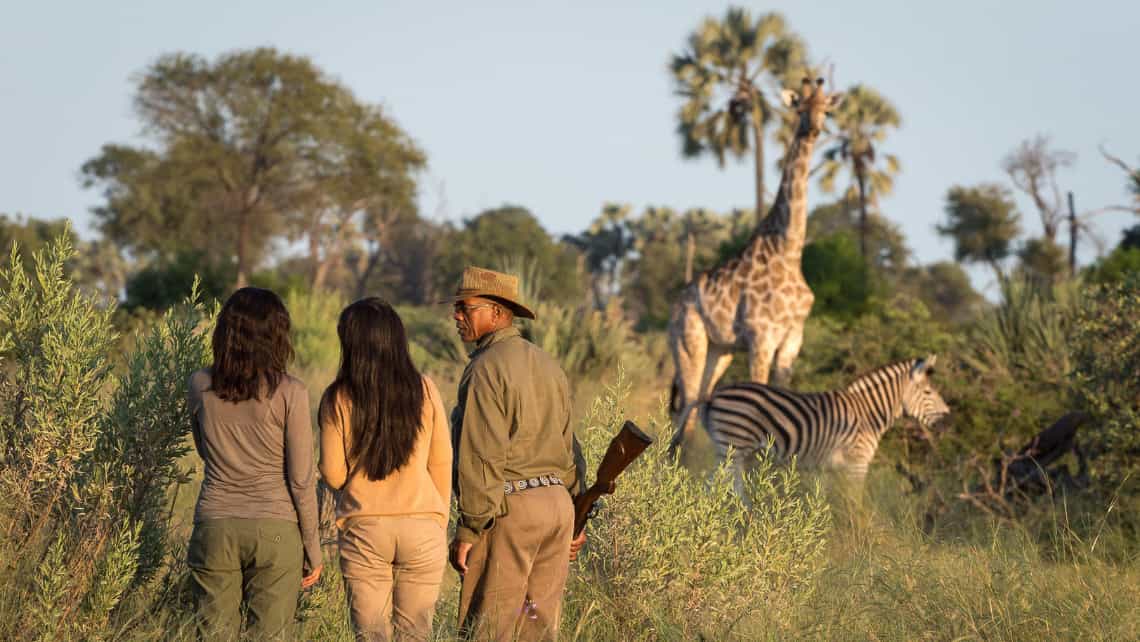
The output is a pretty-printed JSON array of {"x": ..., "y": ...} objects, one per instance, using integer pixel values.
[{"x": 488, "y": 284}]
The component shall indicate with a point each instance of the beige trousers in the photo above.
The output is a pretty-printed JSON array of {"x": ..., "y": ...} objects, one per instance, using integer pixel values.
[
  {"x": 526, "y": 554},
  {"x": 392, "y": 569}
]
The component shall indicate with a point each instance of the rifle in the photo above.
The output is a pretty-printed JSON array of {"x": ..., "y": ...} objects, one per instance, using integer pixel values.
[{"x": 623, "y": 449}]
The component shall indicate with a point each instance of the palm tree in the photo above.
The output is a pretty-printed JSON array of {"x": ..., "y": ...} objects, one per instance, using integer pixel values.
[
  {"x": 720, "y": 74},
  {"x": 1133, "y": 175},
  {"x": 863, "y": 120}
]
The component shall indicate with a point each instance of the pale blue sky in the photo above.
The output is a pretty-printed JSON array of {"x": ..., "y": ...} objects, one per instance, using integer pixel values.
[{"x": 561, "y": 106}]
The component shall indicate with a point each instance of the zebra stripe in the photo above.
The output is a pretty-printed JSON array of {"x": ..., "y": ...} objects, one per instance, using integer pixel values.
[{"x": 839, "y": 428}]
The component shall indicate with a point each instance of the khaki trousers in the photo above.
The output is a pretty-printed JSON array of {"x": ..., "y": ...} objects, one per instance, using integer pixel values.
[
  {"x": 256, "y": 561},
  {"x": 526, "y": 554},
  {"x": 392, "y": 568}
]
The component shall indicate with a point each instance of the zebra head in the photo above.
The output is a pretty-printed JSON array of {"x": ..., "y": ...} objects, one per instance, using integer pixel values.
[{"x": 920, "y": 400}]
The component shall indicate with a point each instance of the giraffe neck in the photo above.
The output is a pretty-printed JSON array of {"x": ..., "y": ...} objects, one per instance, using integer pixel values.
[{"x": 788, "y": 216}]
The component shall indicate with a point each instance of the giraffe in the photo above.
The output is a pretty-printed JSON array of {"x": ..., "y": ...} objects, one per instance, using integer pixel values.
[{"x": 758, "y": 299}]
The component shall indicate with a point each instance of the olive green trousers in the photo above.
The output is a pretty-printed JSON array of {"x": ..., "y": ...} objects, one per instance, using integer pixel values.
[{"x": 251, "y": 562}]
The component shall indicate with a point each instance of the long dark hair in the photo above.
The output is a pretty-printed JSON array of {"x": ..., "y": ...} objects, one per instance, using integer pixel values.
[
  {"x": 251, "y": 345},
  {"x": 381, "y": 382}
]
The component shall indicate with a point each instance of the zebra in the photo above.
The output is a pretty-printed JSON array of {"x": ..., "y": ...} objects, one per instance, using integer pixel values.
[{"x": 838, "y": 429}]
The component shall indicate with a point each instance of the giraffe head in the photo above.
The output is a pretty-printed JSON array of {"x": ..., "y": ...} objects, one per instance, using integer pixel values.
[
  {"x": 919, "y": 399},
  {"x": 812, "y": 105}
]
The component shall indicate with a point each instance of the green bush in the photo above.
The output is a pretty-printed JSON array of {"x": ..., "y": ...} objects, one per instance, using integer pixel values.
[
  {"x": 1107, "y": 364},
  {"x": 835, "y": 351},
  {"x": 88, "y": 457},
  {"x": 838, "y": 277}
]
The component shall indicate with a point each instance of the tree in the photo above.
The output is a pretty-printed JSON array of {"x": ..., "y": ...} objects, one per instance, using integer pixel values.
[
  {"x": 837, "y": 276},
  {"x": 1118, "y": 265},
  {"x": 983, "y": 221},
  {"x": 945, "y": 289},
  {"x": 1032, "y": 168},
  {"x": 863, "y": 119},
  {"x": 97, "y": 267},
  {"x": 368, "y": 188},
  {"x": 255, "y": 146},
  {"x": 885, "y": 242},
  {"x": 155, "y": 207},
  {"x": 656, "y": 271},
  {"x": 721, "y": 75},
  {"x": 1042, "y": 260},
  {"x": 31, "y": 235},
  {"x": 506, "y": 233},
  {"x": 654, "y": 276},
  {"x": 1130, "y": 238},
  {"x": 1133, "y": 186},
  {"x": 100, "y": 269},
  {"x": 605, "y": 246}
]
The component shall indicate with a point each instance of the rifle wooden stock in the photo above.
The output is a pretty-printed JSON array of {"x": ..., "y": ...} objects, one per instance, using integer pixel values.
[{"x": 624, "y": 448}]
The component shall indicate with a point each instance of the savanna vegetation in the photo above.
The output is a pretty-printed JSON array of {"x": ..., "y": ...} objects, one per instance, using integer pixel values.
[{"x": 263, "y": 169}]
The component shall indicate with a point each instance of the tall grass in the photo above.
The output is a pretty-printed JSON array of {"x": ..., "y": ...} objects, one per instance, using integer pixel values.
[{"x": 888, "y": 578}]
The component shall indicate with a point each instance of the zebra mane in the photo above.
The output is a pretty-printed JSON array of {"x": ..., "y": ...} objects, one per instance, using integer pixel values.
[{"x": 888, "y": 372}]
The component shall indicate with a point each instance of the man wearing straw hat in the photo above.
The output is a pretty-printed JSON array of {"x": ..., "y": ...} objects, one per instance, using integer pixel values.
[{"x": 514, "y": 459}]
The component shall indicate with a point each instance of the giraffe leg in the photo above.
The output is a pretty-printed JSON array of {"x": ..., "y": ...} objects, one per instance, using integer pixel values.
[
  {"x": 716, "y": 363},
  {"x": 717, "y": 360},
  {"x": 689, "y": 344},
  {"x": 761, "y": 350},
  {"x": 787, "y": 353}
]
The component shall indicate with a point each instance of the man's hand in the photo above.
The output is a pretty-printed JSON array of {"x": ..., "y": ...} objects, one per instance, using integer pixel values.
[
  {"x": 576, "y": 544},
  {"x": 312, "y": 578},
  {"x": 459, "y": 552}
]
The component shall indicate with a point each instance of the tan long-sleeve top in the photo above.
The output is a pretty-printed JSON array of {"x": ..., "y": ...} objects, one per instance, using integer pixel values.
[
  {"x": 420, "y": 487},
  {"x": 511, "y": 422},
  {"x": 258, "y": 457}
]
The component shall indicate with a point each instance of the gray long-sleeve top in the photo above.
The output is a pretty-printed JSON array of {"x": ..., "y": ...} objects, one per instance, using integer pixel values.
[{"x": 258, "y": 457}]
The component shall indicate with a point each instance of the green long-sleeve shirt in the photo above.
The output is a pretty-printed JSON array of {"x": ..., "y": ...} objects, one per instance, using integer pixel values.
[{"x": 511, "y": 422}]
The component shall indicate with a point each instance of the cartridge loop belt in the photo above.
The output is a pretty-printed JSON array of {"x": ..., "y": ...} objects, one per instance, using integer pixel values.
[{"x": 534, "y": 482}]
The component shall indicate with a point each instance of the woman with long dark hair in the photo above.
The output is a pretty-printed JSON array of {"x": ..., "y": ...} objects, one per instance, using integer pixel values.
[
  {"x": 386, "y": 445},
  {"x": 255, "y": 538}
]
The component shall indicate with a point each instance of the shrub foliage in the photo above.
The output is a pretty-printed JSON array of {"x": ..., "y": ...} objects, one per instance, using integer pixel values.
[
  {"x": 1106, "y": 366},
  {"x": 678, "y": 555},
  {"x": 89, "y": 456}
]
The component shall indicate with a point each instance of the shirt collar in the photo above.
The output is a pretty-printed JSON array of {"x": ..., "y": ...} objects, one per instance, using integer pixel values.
[{"x": 491, "y": 338}]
